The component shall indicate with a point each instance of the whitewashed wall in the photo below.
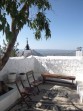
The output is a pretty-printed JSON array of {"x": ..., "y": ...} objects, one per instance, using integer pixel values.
[
  {"x": 18, "y": 65},
  {"x": 67, "y": 65}
]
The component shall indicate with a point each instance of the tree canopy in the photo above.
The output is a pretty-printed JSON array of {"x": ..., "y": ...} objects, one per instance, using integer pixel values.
[{"x": 19, "y": 12}]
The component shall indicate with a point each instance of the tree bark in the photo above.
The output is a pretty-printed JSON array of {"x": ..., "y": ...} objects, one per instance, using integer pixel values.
[
  {"x": 8, "y": 52},
  {"x": 6, "y": 56}
]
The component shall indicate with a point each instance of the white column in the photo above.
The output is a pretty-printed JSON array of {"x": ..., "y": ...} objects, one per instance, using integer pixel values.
[{"x": 78, "y": 53}]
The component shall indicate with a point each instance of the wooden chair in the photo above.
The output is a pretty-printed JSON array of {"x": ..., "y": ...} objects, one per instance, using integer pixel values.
[
  {"x": 31, "y": 89},
  {"x": 32, "y": 81},
  {"x": 24, "y": 93}
]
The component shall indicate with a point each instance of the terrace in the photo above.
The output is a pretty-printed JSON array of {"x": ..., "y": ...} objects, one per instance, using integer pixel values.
[{"x": 71, "y": 66}]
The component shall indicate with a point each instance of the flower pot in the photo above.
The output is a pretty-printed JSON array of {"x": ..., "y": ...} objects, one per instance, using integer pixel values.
[
  {"x": 23, "y": 76},
  {"x": 12, "y": 77}
]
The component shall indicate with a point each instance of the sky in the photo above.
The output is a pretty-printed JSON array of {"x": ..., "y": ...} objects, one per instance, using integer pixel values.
[{"x": 66, "y": 27}]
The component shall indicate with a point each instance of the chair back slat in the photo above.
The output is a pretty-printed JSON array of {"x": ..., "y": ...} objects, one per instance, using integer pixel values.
[
  {"x": 18, "y": 87},
  {"x": 30, "y": 77},
  {"x": 23, "y": 95},
  {"x": 22, "y": 83},
  {"x": 30, "y": 74},
  {"x": 31, "y": 80}
]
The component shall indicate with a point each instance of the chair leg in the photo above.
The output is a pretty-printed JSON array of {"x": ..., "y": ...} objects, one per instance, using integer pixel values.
[
  {"x": 26, "y": 102},
  {"x": 30, "y": 98},
  {"x": 28, "y": 105},
  {"x": 38, "y": 89}
]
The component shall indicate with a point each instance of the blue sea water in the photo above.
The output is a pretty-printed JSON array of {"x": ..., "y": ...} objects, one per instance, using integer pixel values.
[{"x": 54, "y": 52}]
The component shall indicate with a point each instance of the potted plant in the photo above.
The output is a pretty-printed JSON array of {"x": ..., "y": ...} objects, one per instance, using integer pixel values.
[
  {"x": 12, "y": 77},
  {"x": 23, "y": 76}
]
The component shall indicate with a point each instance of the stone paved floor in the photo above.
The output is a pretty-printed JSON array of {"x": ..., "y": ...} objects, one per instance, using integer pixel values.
[{"x": 59, "y": 97}]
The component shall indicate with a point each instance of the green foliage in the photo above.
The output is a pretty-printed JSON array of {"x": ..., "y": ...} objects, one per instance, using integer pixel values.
[
  {"x": 40, "y": 23},
  {"x": 4, "y": 48},
  {"x": 19, "y": 11},
  {"x": 14, "y": 51},
  {"x": 20, "y": 14},
  {"x": 8, "y": 33}
]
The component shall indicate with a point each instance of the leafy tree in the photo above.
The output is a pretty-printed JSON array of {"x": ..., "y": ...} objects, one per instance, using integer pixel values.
[
  {"x": 15, "y": 50},
  {"x": 20, "y": 13},
  {"x": 4, "y": 48},
  {"x": 1, "y": 51}
]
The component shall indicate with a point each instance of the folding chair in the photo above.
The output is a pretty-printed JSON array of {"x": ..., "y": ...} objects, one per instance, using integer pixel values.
[
  {"x": 31, "y": 89},
  {"x": 32, "y": 81},
  {"x": 24, "y": 93}
]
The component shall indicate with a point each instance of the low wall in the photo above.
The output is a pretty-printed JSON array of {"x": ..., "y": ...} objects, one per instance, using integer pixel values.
[
  {"x": 66, "y": 65},
  {"x": 18, "y": 65},
  {"x": 5, "y": 100}
]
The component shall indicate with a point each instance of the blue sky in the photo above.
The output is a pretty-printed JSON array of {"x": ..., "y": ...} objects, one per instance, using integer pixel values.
[{"x": 66, "y": 27}]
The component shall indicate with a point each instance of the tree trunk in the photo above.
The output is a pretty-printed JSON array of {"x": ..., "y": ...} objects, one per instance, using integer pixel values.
[
  {"x": 6, "y": 56},
  {"x": 8, "y": 52}
]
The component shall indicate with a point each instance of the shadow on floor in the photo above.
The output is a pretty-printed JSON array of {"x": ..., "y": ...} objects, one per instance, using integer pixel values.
[{"x": 55, "y": 96}]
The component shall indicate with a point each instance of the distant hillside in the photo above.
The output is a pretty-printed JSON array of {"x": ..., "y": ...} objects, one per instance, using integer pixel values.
[
  {"x": 56, "y": 52},
  {"x": 33, "y": 52},
  {"x": 50, "y": 52}
]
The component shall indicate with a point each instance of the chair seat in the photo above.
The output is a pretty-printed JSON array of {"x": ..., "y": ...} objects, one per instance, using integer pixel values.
[
  {"x": 36, "y": 83},
  {"x": 30, "y": 90}
]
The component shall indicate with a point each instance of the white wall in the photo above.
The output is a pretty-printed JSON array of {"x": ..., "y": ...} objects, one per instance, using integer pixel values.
[
  {"x": 18, "y": 65},
  {"x": 58, "y": 64},
  {"x": 5, "y": 100},
  {"x": 67, "y": 65}
]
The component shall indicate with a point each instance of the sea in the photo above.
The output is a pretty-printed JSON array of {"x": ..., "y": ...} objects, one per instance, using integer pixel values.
[{"x": 55, "y": 52}]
